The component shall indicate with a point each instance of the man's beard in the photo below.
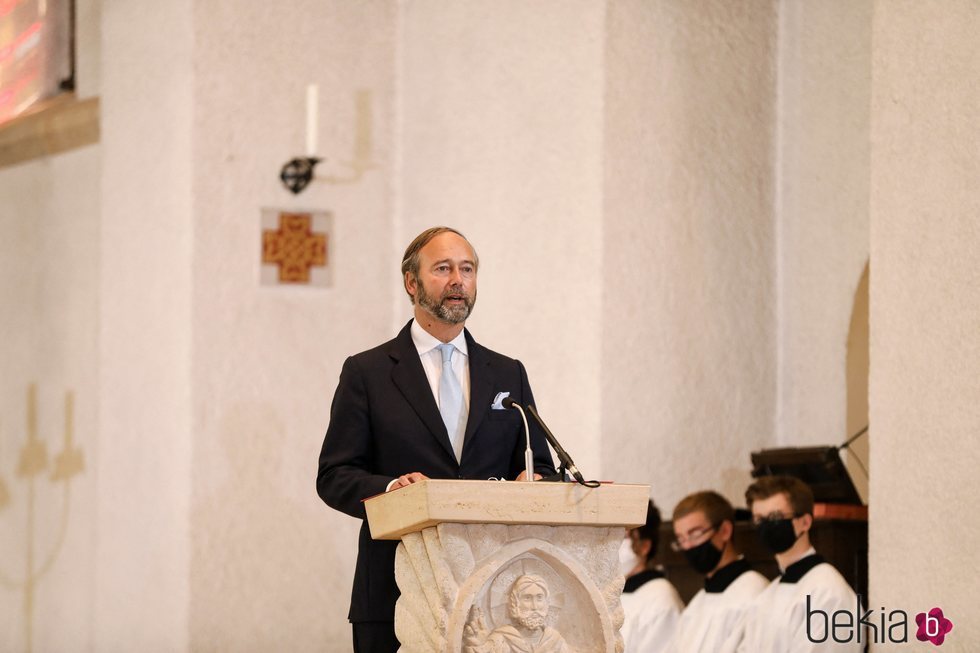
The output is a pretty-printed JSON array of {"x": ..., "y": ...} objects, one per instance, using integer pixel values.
[
  {"x": 448, "y": 314},
  {"x": 531, "y": 619}
]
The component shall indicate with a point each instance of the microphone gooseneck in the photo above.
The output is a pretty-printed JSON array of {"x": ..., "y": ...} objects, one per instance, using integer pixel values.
[
  {"x": 507, "y": 402},
  {"x": 566, "y": 460}
]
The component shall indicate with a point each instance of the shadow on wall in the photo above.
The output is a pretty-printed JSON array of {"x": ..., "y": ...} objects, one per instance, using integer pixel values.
[
  {"x": 857, "y": 457},
  {"x": 252, "y": 584},
  {"x": 38, "y": 490}
]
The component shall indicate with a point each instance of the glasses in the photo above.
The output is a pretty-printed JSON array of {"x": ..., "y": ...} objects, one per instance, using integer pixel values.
[
  {"x": 692, "y": 538},
  {"x": 773, "y": 517}
]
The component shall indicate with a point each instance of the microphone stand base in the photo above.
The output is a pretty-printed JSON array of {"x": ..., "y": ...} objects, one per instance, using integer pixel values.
[{"x": 560, "y": 477}]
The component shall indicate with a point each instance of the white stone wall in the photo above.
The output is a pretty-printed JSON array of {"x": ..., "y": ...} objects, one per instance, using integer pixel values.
[
  {"x": 145, "y": 435},
  {"x": 689, "y": 248},
  {"x": 49, "y": 305},
  {"x": 88, "y": 48},
  {"x": 270, "y": 565},
  {"x": 49, "y": 321},
  {"x": 823, "y": 154},
  {"x": 925, "y": 312}
]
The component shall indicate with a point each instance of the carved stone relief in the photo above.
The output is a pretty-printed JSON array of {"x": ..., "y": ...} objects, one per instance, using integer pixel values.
[
  {"x": 469, "y": 588},
  {"x": 526, "y": 626}
]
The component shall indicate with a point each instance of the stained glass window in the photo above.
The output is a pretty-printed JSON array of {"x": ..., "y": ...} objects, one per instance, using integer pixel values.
[{"x": 36, "y": 53}]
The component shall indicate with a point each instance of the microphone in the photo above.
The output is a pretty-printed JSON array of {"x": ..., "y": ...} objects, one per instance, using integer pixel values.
[
  {"x": 566, "y": 460},
  {"x": 507, "y": 402}
]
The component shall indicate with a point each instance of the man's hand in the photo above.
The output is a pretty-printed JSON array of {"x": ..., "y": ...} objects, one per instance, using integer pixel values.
[
  {"x": 523, "y": 476},
  {"x": 407, "y": 479}
]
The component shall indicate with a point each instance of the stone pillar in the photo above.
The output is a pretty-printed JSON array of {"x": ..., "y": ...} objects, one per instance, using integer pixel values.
[
  {"x": 689, "y": 243},
  {"x": 925, "y": 312},
  {"x": 145, "y": 435}
]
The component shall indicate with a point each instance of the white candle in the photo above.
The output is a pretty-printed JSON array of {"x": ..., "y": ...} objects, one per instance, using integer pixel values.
[{"x": 312, "y": 93}]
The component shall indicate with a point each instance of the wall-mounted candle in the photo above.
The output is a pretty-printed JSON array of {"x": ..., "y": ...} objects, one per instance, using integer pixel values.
[{"x": 312, "y": 116}]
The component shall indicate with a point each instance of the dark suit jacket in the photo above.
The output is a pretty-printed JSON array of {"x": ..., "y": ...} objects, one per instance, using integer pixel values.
[{"x": 384, "y": 422}]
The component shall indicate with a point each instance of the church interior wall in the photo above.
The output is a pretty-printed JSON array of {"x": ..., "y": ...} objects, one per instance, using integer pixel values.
[
  {"x": 688, "y": 373},
  {"x": 50, "y": 297},
  {"x": 88, "y": 48},
  {"x": 500, "y": 134},
  {"x": 49, "y": 288},
  {"x": 145, "y": 437},
  {"x": 823, "y": 171},
  {"x": 270, "y": 565},
  {"x": 925, "y": 313},
  {"x": 673, "y": 206}
]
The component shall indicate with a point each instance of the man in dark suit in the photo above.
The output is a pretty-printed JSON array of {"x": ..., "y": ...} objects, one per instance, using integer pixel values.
[{"x": 424, "y": 405}]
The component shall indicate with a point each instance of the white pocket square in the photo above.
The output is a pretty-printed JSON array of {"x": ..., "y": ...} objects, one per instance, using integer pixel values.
[{"x": 498, "y": 401}]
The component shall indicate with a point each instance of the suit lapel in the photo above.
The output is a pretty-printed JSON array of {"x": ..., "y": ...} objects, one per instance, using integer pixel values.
[
  {"x": 409, "y": 377},
  {"x": 481, "y": 387}
]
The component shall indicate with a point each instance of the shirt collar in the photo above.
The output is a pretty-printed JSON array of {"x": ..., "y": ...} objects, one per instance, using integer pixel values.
[
  {"x": 806, "y": 554},
  {"x": 799, "y": 569},
  {"x": 426, "y": 342},
  {"x": 721, "y": 579},
  {"x": 635, "y": 581}
]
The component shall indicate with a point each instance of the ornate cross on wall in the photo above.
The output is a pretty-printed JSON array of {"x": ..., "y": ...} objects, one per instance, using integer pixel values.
[{"x": 294, "y": 247}]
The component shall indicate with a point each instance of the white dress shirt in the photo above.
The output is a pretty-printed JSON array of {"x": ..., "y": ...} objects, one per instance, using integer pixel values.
[{"x": 428, "y": 348}]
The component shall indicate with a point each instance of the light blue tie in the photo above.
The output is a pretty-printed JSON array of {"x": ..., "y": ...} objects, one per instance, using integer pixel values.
[{"x": 451, "y": 401}]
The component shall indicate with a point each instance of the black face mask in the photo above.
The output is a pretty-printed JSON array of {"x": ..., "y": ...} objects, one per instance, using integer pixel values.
[
  {"x": 703, "y": 557},
  {"x": 777, "y": 535}
]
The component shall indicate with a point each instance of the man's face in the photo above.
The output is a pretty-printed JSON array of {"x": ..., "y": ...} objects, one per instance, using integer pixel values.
[
  {"x": 640, "y": 547},
  {"x": 532, "y": 607},
  {"x": 446, "y": 283},
  {"x": 694, "y": 529}
]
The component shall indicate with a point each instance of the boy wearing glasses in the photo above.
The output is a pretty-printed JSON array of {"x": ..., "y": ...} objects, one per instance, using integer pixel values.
[
  {"x": 793, "y": 614},
  {"x": 704, "y": 525},
  {"x": 651, "y": 605}
]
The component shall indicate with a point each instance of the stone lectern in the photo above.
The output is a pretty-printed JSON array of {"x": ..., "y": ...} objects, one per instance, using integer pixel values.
[{"x": 501, "y": 566}]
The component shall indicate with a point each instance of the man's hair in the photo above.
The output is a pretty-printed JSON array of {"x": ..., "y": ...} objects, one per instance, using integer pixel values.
[
  {"x": 410, "y": 261},
  {"x": 651, "y": 529},
  {"x": 798, "y": 493},
  {"x": 716, "y": 508}
]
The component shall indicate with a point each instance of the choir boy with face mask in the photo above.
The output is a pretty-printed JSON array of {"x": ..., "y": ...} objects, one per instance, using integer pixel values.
[
  {"x": 650, "y": 603},
  {"x": 796, "y": 611},
  {"x": 704, "y": 524}
]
